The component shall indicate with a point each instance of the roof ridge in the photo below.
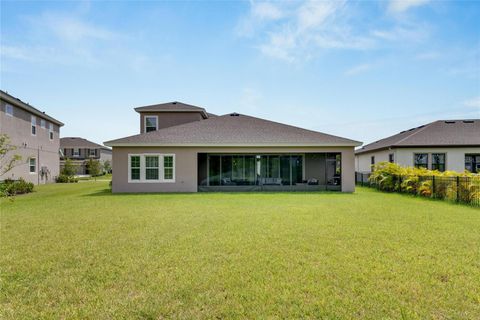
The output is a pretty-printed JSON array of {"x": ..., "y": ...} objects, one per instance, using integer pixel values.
[{"x": 421, "y": 128}]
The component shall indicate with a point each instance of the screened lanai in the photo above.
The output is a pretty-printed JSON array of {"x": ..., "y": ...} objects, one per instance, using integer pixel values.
[{"x": 269, "y": 172}]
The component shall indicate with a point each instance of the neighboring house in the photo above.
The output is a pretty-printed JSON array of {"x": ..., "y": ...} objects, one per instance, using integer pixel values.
[
  {"x": 440, "y": 145},
  {"x": 80, "y": 150},
  {"x": 36, "y": 137},
  {"x": 182, "y": 148}
]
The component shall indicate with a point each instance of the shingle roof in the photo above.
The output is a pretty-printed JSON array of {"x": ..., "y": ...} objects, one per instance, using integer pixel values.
[
  {"x": 172, "y": 107},
  {"x": 77, "y": 142},
  {"x": 233, "y": 130},
  {"x": 20, "y": 104},
  {"x": 442, "y": 133}
]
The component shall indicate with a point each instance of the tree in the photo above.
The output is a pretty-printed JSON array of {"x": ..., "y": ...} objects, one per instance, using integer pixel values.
[
  {"x": 107, "y": 166},
  {"x": 69, "y": 169},
  {"x": 94, "y": 168},
  {"x": 7, "y": 161}
]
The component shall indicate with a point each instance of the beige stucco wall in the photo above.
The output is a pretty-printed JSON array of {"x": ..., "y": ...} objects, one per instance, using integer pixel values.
[
  {"x": 169, "y": 119},
  {"x": 39, "y": 146},
  {"x": 186, "y": 166},
  {"x": 455, "y": 157}
]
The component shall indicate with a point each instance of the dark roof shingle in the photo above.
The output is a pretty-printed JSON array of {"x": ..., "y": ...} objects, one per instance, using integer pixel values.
[
  {"x": 77, "y": 142},
  {"x": 234, "y": 130},
  {"x": 439, "y": 133}
]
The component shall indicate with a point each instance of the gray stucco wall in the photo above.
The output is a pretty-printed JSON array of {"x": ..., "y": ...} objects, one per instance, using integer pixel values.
[
  {"x": 18, "y": 128},
  {"x": 186, "y": 176},
  {"x": 169, "y": 119}
]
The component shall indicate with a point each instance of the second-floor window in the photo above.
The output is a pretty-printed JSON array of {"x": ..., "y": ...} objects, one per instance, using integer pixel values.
[
  {"x": 50, "y": 131},
  {"x": 76, "y": 152},
  {"x": 92, "y": 152},
  {"x": 9, "y": 109},
  {"x": 151, "y": 123},
  {"x": 421, "y": 160},
  {"x": 43, "y": 124},
  {"x": 33, "y": 122}
]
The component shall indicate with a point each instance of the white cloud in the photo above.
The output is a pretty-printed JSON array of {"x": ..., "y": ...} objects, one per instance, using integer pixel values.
[
  {"x": 358, "y": 69},
  {"x": 472, "y": 103},
  {"x": 400, "y": 6},
  {"x": 266, "y": 11}
]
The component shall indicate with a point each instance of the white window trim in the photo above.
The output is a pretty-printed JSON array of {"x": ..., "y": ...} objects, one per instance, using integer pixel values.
[
  {"x": 161, "y": 171},
  {"x": 6, "y": 108},
  {"x": 43, "y": 123},
  {"x": 33, "y": 119},
  {"x": 73, "y": 152},
  {"x": 145, "y": 123},
  {"x": 50, "y": 131},
  {"x": 36, "y": 165},
  {"x": 94, "y": 153}
]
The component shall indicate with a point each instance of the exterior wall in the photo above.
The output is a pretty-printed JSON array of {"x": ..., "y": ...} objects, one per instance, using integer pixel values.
[
  {"x": 186, "y": 162},
  {"x": 18, "y": 128},
  {"x": 170, "y": 119},
  {"x": 363, "y": 161},
  {"x": 455, "y": 157}
]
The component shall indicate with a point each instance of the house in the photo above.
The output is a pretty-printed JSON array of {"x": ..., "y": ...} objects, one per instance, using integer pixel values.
[
  {"x": 183, "y": 148},
  {"x": 80, "y": 150},
  {"x": 36, "y": 138},
  {"x": 441, "y": 145}
]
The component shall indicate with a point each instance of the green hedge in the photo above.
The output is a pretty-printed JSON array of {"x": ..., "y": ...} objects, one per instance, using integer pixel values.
[{"x": 11, "y": 187}]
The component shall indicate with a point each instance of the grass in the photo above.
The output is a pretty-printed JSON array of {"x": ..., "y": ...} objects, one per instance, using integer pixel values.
[{"x": 75, "y": 251}]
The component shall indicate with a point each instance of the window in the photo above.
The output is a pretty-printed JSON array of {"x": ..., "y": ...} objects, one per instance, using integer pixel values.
[
  {"x": 168, "y": 167},
  {"x": 134, "y": 167},
  {"x": 472, "y": 163},
  {"x": 33, "y": 122},
  {"x": 32, "y": 162},
  {"x": 151, "y": 123},
  {"x": 50, "y": 131},
  {"x": 43, "y": 123},
  {"x": 92, "y": 153},
  {"x": 9, "y": 109},
  {"x": 76, "y": 152},
  {"x": 372, "y": 162},
  {"x": 391, "y": 158},
  {"x": 421, "y": 160},
  {"x": 438, "y": 161},
  {"x": 151, "y": 168}
]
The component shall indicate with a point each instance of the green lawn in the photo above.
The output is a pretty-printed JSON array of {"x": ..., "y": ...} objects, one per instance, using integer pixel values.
[{"x": 76, "y": 252}]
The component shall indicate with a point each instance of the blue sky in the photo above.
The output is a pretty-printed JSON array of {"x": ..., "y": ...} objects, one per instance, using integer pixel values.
[{"x": 362, "y": 70}]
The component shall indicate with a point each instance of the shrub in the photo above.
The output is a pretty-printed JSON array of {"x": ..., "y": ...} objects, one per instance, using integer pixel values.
[
  {"x": 450, "y": 185},
  {"x": 66, "y": 179},
  {"x": 11, "y": 187}
]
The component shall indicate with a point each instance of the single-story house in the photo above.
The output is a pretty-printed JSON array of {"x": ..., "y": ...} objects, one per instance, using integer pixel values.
[
  {"x": 183, "y": 148},
  {"x": 441, "y": 145}
]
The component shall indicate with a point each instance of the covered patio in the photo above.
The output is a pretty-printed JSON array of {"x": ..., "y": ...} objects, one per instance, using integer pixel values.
[{"x": 269, "y": 172}]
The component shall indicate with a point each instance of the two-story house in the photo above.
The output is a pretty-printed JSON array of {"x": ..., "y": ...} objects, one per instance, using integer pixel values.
[
  {"x": 80, "y": 150},
  {"x": 36, "y": 137},
  {"x": 183, "y": 148}
]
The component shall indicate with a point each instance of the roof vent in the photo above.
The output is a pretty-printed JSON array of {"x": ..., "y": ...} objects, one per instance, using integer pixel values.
[
  {"x": 449, "y": 122},
  {"x": 468, "y": 121},
  {"x": 234, "y": 114},
  {"x": 174, "y": 102}
]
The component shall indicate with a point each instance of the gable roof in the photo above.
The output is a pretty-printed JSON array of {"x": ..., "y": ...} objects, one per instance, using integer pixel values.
[
  {"x": 441, "y": 133},
  {"x": 77, "y": 142},
  {"x": 233, "y": 130},
  {"x": 25, "y": 106},
  {"x": 173, "y": 106}
]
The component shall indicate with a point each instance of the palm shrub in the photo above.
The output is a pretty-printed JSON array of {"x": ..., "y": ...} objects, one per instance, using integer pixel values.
[{"x": 448, "y": 185}]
